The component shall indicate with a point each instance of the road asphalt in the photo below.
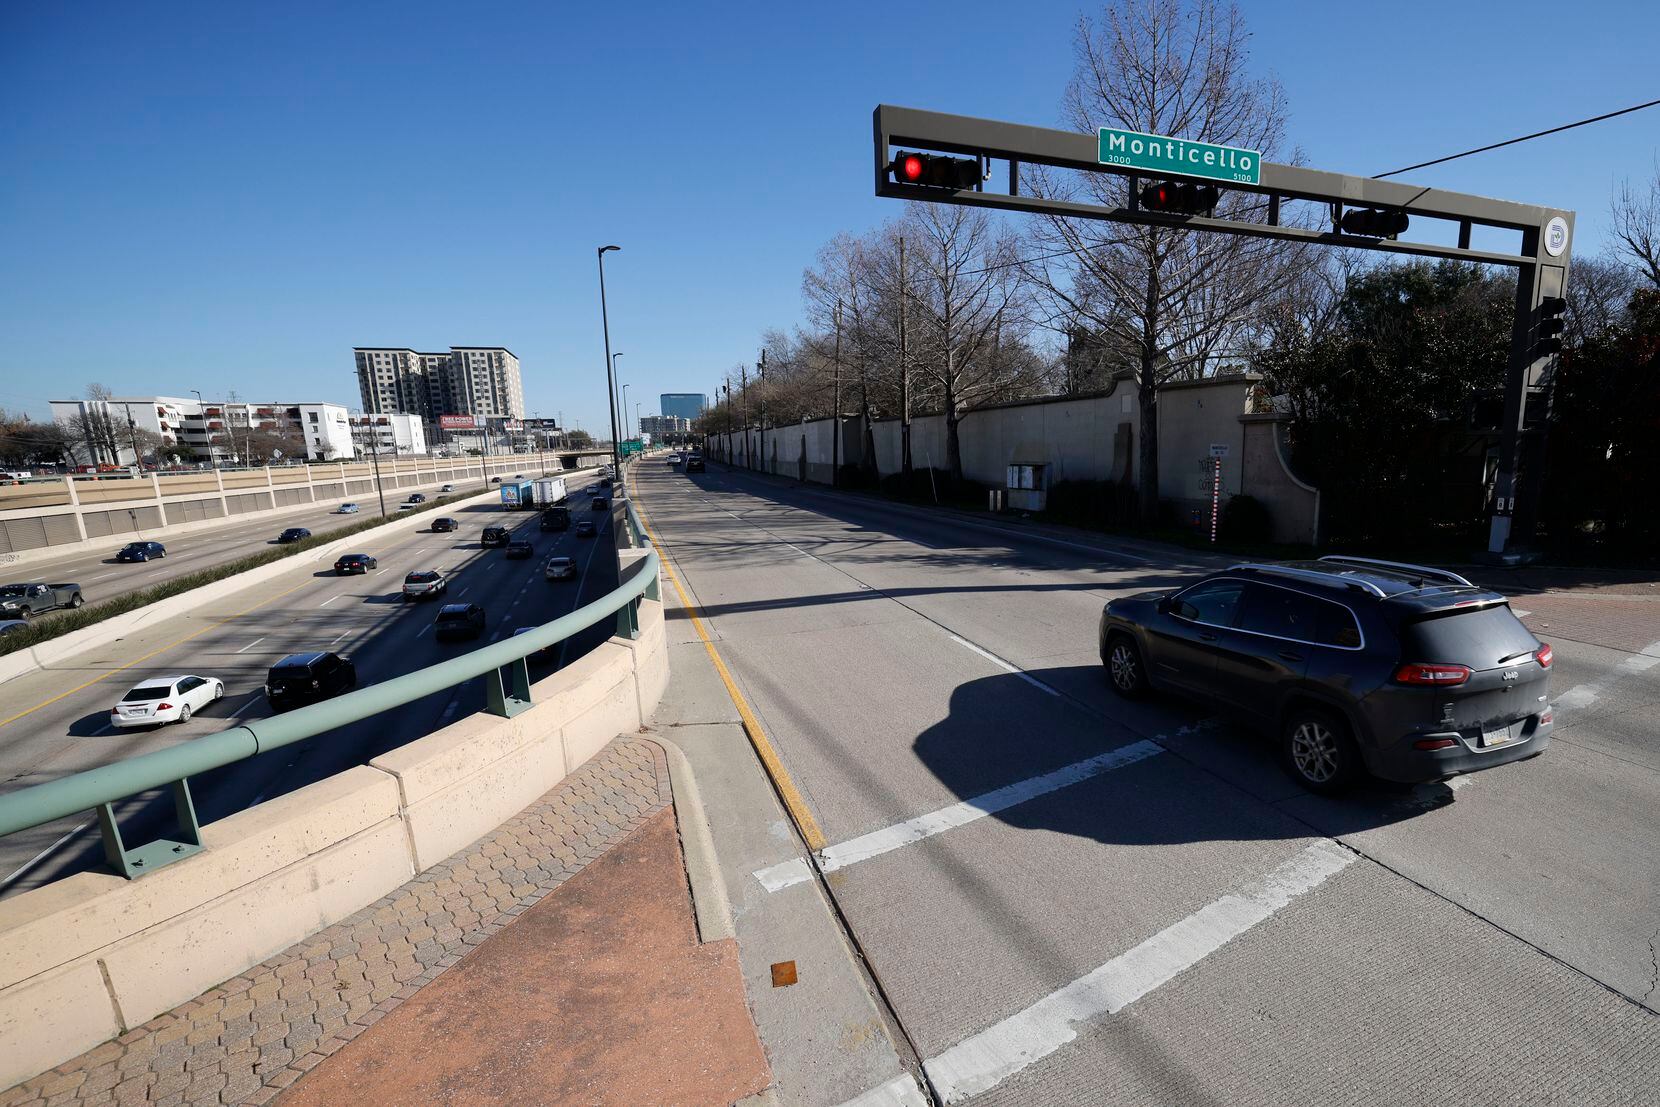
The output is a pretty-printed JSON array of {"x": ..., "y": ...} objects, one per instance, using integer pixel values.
[
  {"x": 56, "y": 719},
  {"x": 1066, "y": 897}
]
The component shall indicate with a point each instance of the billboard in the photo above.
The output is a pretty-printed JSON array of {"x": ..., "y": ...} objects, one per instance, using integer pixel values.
[{"x": 459, "y": 422}]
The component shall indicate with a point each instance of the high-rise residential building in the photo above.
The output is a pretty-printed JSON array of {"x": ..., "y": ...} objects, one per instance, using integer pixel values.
[
  {"x": 687, "y": 405},
  {"x": 659, "y": 426},
  {"x": 468, "y": 380}
]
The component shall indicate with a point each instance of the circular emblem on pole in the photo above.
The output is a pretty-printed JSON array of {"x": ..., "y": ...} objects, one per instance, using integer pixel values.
[{"x": 1556, "y": 236}]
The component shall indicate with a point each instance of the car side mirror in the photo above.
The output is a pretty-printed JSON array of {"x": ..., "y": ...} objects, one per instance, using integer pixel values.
[{"x": 1164, "y": 604}]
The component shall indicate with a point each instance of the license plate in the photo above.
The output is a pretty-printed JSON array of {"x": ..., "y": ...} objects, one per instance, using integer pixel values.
[{"x": 1495, "y": 737}]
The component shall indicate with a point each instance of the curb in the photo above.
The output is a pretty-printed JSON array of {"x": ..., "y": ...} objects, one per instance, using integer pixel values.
[{"x": 709, "y": 903}]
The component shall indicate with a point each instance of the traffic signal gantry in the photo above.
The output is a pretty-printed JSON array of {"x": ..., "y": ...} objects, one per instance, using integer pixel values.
[{"x": 1179, "y": 183}]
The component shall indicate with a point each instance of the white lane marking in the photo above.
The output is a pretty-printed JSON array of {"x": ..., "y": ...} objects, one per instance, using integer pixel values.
[
  {"x": 331, "y": 599},
  {"x": 1458, "y": 782},
  {"x": 423, "y": 630},
  {"x": 247, "y": 703},
  {"x": 463, "y": 592},
  {"x": 41, "y": 856},
  {"x": 1584, "y": 695},
  {"x": 890, "y": 838},
  {"x": 252, "y": 644},
  {"x": 999, "y": 662},
  {"x": 901, "y": 1091},
  {"x": 339, "y": 636},
  {"x": 1519, "y": 613},
  {"x": 984, "y": 1060}
]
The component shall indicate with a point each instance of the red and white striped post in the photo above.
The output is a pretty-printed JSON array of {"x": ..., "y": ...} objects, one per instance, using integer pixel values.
[{"x": 1218, "y": 451}]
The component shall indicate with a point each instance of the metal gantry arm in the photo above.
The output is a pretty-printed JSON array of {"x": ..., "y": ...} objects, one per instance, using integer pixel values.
[{"x": 1541, "y": 260}]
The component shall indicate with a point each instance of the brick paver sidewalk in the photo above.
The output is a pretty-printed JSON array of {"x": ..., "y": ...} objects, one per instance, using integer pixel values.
[{"x": 249, "y": 1038}]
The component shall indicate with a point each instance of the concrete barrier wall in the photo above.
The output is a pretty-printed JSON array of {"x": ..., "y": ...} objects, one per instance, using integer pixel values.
[
  {"x": 92, "y": 956},
  {"x": 41, "y": 522}
]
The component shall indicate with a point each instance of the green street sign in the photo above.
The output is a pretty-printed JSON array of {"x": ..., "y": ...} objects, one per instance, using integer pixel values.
[{"x": 1162, "y": 154}]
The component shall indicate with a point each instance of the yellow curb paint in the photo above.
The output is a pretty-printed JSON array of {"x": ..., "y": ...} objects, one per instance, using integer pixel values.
[{"x": 781, "y": 780}]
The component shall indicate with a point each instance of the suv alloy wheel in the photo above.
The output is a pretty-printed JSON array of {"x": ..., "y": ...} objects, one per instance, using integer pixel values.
[{"x": 1317, "y": 750}]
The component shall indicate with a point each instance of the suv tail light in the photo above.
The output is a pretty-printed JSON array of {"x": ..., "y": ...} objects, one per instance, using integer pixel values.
[
  {"x": 1440, "y": 676},
  {"x": 1543, "y": 655}
]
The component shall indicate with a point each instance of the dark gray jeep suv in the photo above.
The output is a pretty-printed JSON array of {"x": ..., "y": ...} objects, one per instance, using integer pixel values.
[{"x": 1354, "y": 665}]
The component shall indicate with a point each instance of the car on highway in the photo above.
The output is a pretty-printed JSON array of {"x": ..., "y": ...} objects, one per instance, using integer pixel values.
[
  {"x": 585, "y": 528},
  {"x": 604, "y": 482},
  {"x": 168, "y": 699},
  {"x": 302, "y": 678},
  {"x": 674, "y": 460},
  {"x": 1355, "y": 666},
  {"x": 495, "y": 480},
  {"x": 555, "y": 518},
  {"x": 293, "y": 534},
  {"x": 417, "y": 498},
  {"x": 444, "y": 524},
  {"x": 494, "y": 536},
  {"x": 28, "y": 600},
  {"x": 600, "y": 503},
  {"x": 446, "y": 488},
  {"x": 140, "y": 551},
  {"x": 694, "y": 464},
  {"x": 459, "y": 620},
  {"x": 560, "y": 568},
  {"x": 348, "y": 564},
  {"x": 346, "y": 509},
  {"x": 519, "y": 549},
  {"x": 424, "y": 584}
]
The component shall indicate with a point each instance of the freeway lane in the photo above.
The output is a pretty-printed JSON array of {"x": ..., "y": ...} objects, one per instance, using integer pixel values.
[
  {"x": 1151, "y": 911},
  {"x": 101, "y": 576},
  {"x": 362, "y": 617}
]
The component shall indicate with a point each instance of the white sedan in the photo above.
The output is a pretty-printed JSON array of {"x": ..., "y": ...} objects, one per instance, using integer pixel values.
[{"x": 170, "y": 699}]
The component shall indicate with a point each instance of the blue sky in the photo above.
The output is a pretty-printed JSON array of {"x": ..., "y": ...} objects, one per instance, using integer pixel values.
[{"x": 231, "y": 196}]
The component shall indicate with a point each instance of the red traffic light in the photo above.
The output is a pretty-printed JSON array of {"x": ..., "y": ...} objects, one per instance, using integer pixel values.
[
  {"x": 1172, "y": 198},
  {"x": 936, "y": 171}
]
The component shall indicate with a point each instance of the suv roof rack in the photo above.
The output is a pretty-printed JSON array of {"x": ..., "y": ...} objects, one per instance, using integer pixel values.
[
  {"x": 1316, "y": 576},
  {"x": 1438, "y": 574}
]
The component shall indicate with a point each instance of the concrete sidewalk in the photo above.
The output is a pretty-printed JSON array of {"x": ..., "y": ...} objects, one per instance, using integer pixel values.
[{"x": 558, "y": 948}]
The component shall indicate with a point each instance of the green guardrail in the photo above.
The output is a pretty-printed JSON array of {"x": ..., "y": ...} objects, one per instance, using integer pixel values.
[{"x": 503, "y": 664}]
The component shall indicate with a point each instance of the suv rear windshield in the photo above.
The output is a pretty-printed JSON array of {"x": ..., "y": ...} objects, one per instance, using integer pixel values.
[
  {"x": 420, "y": 578},
  {"x": 1481, "y": 639}
]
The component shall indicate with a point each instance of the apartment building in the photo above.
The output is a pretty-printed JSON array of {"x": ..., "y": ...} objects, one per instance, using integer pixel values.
[
  {"x": 224, "y": 433},
  {"x": 468, "y": 380},
  {"x": 390, "y": 434}
]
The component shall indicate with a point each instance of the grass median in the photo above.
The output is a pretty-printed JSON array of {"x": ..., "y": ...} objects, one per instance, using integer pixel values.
[{"x": 57, "y": 624}]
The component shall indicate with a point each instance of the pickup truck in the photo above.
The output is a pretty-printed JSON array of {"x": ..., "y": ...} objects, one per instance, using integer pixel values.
[{"x": 26, "y": 600}]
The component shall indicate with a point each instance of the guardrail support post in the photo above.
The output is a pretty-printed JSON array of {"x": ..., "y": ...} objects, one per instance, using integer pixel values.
[
  {"x": 132, "y": 863},
  {"x": 507, "y": 689},
  {"x": 628, "y": 619}
]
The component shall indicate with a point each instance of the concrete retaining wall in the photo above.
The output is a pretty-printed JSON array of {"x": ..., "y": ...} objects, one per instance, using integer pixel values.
[
  {"x": 27, "y": 660},
  {"x": 92, "y": 956}
]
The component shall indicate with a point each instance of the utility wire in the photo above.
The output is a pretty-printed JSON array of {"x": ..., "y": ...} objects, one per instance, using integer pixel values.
[{"x": 1524, "y": 138}]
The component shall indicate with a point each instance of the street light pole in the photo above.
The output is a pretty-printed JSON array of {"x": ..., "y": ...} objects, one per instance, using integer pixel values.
[
  {"x": 374, "y": 448},
  {"x": 763, "y": 371},
  {"x": 627, "y": 434},
  {"x": 610, "y": 381},
  {"x": 621, "y": 388}
]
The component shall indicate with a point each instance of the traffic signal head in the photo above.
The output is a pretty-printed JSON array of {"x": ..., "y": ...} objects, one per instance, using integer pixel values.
[
  {"x": 936, "y": 171},
  {"x": 1548, "y": 328},
  {"x": 1371, "y": 223},
  {"x": 1174, "y": 198}
]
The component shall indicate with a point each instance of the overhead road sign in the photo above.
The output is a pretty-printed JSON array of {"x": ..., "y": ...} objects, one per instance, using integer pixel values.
[{"x": 1168, "y": 156}]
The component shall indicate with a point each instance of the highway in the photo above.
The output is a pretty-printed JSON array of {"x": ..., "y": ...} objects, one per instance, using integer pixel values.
[
  {"x": 101, "y": 576},
  {"x": 55, "y": 720},
  {"x": 1069, "y": 898}
]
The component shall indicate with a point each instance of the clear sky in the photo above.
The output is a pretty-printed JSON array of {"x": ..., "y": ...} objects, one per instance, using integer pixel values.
[{"x": 226, "y": 196}]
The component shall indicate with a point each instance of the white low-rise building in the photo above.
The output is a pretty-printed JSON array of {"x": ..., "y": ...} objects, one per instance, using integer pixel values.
[{"x": 390, "y": 434}]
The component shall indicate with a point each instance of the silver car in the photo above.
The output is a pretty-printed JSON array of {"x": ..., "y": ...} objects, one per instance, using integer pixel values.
[{"x": 560, "y": 568}]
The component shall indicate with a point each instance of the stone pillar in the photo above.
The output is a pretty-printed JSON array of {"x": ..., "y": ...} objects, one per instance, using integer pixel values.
[
  {"x": 161, "y": 507},
  {"x": 75, "y": 502}
]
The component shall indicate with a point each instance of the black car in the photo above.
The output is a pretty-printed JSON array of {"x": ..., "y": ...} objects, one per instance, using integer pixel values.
[
  {"x": 347, "y": 564},
  {"x": 604, "y": 482},
  {"x": 443, "y": 524},
  {"x": 556, "y": 518},
  {"x": 459, "y": 620},
  {"x": 416, "y": 498},
  {"x": 495, "y": 480},
  {"x": 694, "y": 464},
  {"x": 520, "y": 549},
  {"x": 1355, "y": 666},
  {"x": 140, "y": 551},
  {"x": 293, "y": 534},
  {"x": 302, "y": 678},
  {"x": 495, "y": 536},
  {"x": 585, "y": 528},
  {"x": 600, "y": 503}
]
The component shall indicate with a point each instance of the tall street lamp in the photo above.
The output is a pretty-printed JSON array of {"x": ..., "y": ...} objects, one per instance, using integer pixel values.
[
  {"x": 616, "y": 376},
  {"x": 626, "y": 432},
  {"x": 610, "y": 381}
]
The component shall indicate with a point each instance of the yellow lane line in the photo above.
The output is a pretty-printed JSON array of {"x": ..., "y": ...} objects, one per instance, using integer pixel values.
[
  {"x": 152, "y": 653},
  {"x": 781, "y": 779}
]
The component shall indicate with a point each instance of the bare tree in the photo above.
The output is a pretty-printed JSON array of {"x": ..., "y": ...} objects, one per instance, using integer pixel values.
[
  {"x": 1598, "y": 297},
  {"x": 1176, "y": 297},
  {"x": 1636, "y": 218}
]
